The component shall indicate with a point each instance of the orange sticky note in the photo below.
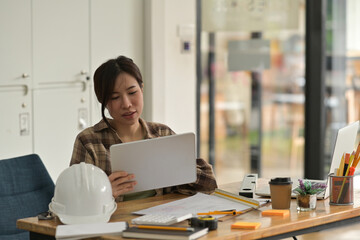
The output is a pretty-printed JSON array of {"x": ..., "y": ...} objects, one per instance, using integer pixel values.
[
  {"x": 246, "y": 225},
  {"x": 276, "y": 212}
]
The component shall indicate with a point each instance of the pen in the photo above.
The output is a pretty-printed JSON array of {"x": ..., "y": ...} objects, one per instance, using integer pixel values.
[
  {"x": 347, "y": 156},
  {"x": 187, "y": 229}
]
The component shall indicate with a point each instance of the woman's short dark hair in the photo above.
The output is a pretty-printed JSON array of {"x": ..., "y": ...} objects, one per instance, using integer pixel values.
[{"x": 105, "y": 77}]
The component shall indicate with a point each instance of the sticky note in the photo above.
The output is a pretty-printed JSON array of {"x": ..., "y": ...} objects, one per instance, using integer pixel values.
[
  {"x": 276, "y": 212},
  {"x": 245, "y": 225}
]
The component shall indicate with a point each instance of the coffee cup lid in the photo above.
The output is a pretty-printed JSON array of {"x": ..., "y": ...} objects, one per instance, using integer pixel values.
[{"x": 280, "y": 181}]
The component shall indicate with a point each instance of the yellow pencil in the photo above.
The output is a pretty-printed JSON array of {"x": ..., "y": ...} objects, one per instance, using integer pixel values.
[
  {"x": 341, "y": 167},
  {"x": 232, "y": 212},
  {"x": 352, "y": 158},
  {"x": 166, "y": 228}
]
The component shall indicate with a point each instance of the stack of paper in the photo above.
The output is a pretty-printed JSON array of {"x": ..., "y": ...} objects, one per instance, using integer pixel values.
[
  {"x": 201, "y": 202},
  {"x": 135, "y": 232},
  {"x": 81, "y": 231}
]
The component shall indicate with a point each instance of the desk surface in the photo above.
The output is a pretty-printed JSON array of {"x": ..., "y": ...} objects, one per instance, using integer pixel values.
[{"x": 270, "y": 226}]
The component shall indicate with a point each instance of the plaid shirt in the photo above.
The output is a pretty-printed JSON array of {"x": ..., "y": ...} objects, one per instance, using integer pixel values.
[{"x": 92, "y": 146}]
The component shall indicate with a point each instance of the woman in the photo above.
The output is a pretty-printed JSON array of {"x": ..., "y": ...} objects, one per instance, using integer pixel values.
[{"x": 119, "y": 88}]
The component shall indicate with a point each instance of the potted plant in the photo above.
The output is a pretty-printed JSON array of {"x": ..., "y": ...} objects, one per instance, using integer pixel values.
[{"x": 306, "y": 194}]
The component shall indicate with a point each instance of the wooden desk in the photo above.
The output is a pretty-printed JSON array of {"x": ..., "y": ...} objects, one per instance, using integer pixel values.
[{"x": 325, "y": 216}]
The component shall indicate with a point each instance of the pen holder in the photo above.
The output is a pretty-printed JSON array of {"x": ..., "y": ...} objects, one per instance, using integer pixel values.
[{"x": 341, "y": 190}]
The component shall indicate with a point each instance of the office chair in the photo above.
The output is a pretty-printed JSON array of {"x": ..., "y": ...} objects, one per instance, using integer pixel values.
[{"x": 26, "y": 190}]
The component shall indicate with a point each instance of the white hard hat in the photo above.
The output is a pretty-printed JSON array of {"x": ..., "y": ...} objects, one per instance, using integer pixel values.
[{"x": 83, "y": 194}]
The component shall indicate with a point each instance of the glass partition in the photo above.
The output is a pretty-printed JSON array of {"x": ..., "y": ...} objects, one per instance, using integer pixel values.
[{"x": 258, "y": 109}]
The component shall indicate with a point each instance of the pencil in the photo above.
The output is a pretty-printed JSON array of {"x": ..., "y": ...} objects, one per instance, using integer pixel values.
[
  {"x": 341, "y": 167},
  {"x": 218, "y": 213},
  {"x": 356, "y": 157},
  {"x": 352, "y": 158},
  {"x": 166, "y": 228}
]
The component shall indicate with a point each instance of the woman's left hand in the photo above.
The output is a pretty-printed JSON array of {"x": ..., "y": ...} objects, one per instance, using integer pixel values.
[{"x": 121, "y": 182}]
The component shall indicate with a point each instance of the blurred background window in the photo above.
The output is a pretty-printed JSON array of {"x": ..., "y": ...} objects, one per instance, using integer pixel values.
[{"x": 252, "y": 114}]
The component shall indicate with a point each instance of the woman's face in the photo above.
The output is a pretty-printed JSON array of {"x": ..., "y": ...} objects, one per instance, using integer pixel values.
[{"x": 126, "y": 101}]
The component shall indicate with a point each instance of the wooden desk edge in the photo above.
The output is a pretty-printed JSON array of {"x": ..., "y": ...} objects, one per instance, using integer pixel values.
[
  {"x": 292, "y": 227},
  {"x": 32, "y": 223}
]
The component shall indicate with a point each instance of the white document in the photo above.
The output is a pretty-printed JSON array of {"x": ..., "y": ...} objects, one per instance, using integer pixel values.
[
  {"x": 81, "y": 231},
  {"x": 199, "y": 203}
]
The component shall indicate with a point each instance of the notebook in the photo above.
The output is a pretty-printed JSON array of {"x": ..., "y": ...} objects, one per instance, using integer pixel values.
[
  {"x": 81, "y": 231},
  {"x": 158, "y": 162},
  {"x": 345, "y": 142},
  {"x": 135, "y": 232}
]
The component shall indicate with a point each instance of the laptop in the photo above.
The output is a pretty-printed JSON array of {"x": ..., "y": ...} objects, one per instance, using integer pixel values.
[
  {"x": 158, "y": 162},
  {"x": 345, "y": 142}
]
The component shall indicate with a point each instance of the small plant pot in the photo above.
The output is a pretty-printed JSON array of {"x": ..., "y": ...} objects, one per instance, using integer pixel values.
[{"x": 306, "y": 202}]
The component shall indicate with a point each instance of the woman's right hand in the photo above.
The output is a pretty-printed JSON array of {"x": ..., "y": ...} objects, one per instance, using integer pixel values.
[{"x": 121, "y": 182}]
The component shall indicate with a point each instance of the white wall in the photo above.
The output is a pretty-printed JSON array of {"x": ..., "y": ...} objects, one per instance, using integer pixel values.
[
  {"x": 117, "y": 28},
  {"x": 170, "y": 75},
  {"x": 352, "y": 21}
]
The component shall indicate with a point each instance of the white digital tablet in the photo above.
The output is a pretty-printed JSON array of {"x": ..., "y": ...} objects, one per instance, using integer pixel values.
[{"x": 158, "y": 162}]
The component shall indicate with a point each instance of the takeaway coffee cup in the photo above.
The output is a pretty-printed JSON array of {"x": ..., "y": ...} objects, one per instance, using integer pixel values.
[{"x": 280, "y": 191}]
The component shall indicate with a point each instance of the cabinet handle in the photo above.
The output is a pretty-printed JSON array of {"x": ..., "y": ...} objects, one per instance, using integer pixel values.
[
  {"x": 84, "y": 85},
  {"x": 83, "y": 82},
  {"x": 25, "y": 86},
  {"x": 85, "y": 73},
  {"x": 25, "y": 75}
]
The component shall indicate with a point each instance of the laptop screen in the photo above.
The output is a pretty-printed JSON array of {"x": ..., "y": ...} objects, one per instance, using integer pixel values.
[{"x": 345, "y": 143}]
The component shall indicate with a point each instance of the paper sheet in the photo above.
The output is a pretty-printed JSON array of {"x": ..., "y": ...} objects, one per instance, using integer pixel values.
[
  {"x": 81, "y": 231},
  {"x": 194, "y": 204}
]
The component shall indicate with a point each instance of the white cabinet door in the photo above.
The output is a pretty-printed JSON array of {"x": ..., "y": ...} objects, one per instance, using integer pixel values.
[
  {"x": 15, "y": 78},
  {"x": 15, "y": 42},
  {"x": 116, "y": 28},
  {"x": 61, "y": 41},
  {"x": 61, "y": 65},
  {"x": 59, "y": 115},
  {"x": 15, "y": 121}
]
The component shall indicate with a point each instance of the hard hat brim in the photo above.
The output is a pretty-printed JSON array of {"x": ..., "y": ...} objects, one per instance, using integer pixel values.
[{"x": 68, "y": 219}]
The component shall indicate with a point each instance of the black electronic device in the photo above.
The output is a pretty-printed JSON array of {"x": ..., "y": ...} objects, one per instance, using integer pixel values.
[
  {"x": 204, "y": 222},
  {"x": 248, "y": 185}
]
